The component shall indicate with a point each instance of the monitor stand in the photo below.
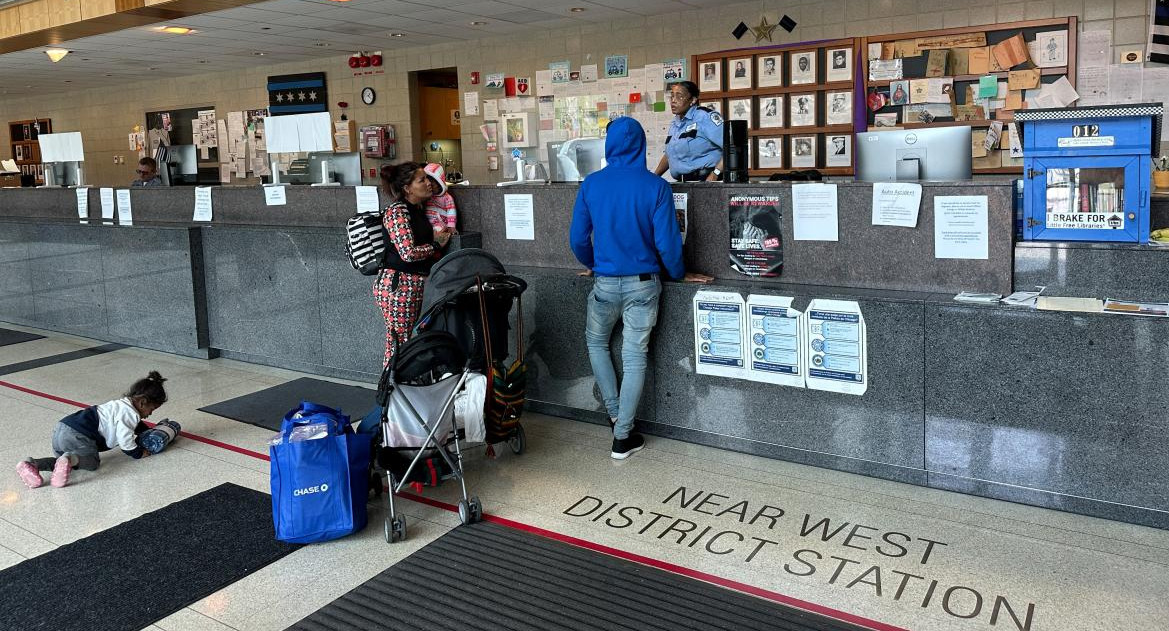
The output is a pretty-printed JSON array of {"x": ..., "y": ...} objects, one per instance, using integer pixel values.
[{"x": 908, "y": 169}]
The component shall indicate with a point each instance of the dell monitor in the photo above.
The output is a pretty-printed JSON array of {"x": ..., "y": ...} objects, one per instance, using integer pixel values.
[
  {"x": 64, "y": 174},
  {"x": 572, "y": 160},
  {"x": 937, "y": 154}
]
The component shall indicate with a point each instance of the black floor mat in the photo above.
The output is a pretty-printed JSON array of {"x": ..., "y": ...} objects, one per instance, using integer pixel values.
[
  {"x": 143, "y": 570},
  {"x": 61, "y": 358},
  {"x": 8, "y": 336},
  {"x": 487, "y": 576},
  {"x": 267, "y": 407}
]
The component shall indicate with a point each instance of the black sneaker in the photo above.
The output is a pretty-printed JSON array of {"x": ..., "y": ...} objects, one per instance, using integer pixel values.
[{"x": 622, "y": 449}]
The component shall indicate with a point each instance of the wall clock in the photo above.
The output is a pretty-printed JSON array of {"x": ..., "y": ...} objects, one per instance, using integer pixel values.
[{"x": 368, "y": 96}]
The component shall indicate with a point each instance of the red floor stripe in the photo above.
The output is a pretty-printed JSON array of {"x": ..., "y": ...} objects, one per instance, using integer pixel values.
[{"x": 575, "y": 541}]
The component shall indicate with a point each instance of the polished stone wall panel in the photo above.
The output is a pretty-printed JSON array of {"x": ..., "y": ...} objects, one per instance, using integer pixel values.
[
  {"x": 1073, "y": 404},
  {"x": 16, "y": 286},
  {"x": 352, "y": 327},
  {"x": 1094, "y": 270},
  {"x": 262, "y": 292},
  {"x": 66, "y": 266},
  {"x": 552, "y": 214},
  {"x": 881, "y": 427},
  {"x": 150, "y": 296}
]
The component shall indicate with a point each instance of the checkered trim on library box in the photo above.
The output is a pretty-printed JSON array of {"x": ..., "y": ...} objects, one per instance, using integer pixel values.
[{"x": 1100, "y": 111}]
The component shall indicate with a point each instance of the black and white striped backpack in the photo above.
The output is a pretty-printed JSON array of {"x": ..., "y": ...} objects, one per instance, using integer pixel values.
[{"x": 366, "y": 242}]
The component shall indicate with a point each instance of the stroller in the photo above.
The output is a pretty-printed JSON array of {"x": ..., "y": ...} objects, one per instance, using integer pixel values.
[
  {"x": 470, "y": 295},
  {"x": 463, "y": 328},
  {"x": 417, "y": 394}
]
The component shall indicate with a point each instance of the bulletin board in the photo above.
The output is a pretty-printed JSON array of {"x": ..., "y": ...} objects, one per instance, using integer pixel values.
[{"x": 181, "y": 133}]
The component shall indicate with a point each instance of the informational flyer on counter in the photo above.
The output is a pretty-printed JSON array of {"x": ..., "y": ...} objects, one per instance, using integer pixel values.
[
  {"x": 836, "y": 347},
  {"x": 681, "y": 210},
  {"x": 519, "y": 217},
  {"x": 756, "y": 235},
  {"x": 719, "y": 332},
  {"x": 961, "y": 227},
  {"x": 775, "y": 341}
]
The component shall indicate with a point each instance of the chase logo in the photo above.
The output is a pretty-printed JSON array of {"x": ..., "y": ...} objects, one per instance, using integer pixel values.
[{"x": 309, "y": 490}]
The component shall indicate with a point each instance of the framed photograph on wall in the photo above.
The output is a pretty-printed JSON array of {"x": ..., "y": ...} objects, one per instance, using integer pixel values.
[
  {"x": 517, "y": 130},
  {"x": 740, "y": 73},
  {"x": 838, "y": 150},
  {"x": 771, "y": 152},
  {"x": 710, "y": 79},
  {"x": 771, "y": 111},
  {"x": 770, "y": 71},
  {"x": 803, "y": 110},
  {"x": 803, "y": 68},
  {"x": 740, "y": 109},
  {"x": 803, "y": 152},
  {"x": 839, "y": 108},
  {"x": 839, "y": 64}
]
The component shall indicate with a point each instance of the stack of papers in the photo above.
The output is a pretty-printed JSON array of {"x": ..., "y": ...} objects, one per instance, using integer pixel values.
[
  {"x": 1024, "y": 298},
  {"x": 1086, "y": 305},
  {"x": 9, "y": 166},
  {"x": 970, "y": 296}
]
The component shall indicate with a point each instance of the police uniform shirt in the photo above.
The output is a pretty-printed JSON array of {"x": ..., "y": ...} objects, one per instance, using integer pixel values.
[{"x": 695, "y": 141}]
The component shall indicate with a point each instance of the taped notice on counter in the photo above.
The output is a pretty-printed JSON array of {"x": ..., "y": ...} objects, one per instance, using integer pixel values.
[
  {"x": 836, "y": 346},
  {"x": 719, "y": 334},
  {"x": 775, "y": 341}
]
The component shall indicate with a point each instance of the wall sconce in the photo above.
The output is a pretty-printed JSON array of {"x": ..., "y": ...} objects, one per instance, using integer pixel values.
[{"x": 56, "y": 54}]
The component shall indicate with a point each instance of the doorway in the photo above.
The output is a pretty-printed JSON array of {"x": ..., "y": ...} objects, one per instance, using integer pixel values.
[{"x": 438, "y": 123}]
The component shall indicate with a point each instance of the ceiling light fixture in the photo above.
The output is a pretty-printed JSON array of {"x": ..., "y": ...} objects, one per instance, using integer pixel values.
[
  {"x": 397, "y": 35},
  {"x": 322, "y": 44},
  {"x": 478, "y": 23},
  {"x": 577, "y": 10},
  {"x": 56, "y": 54},
  {"x": 259, "y": 54},
  {"x": 176, "y": 30}
]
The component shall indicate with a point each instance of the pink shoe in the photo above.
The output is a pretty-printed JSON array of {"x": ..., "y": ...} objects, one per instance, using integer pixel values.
[
  {"x": 61, "y": 469},
  {"x": 29, "y": 475}
]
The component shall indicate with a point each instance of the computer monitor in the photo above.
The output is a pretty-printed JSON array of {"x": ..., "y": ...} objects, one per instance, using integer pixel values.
[
  {"x": 572, "y": 160},
  {"x": 64, "y": 174},
  {"x": 344, "y": 168},
  {"x": 934, "y": 154}
]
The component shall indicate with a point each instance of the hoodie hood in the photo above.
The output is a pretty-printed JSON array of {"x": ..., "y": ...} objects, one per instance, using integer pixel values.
[
  {"x": 436, "y": 173},
  {"x": 625, "y": 143}
]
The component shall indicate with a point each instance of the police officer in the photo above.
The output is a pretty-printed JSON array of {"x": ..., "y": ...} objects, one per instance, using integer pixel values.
[{"x": 694, "y": 148}]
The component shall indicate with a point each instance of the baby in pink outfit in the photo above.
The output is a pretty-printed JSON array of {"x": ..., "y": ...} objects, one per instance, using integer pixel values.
[{"x": 440, "y": 208}]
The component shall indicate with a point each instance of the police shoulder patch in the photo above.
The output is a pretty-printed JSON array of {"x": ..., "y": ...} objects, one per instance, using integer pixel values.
[{"x": 716, "y": 118}]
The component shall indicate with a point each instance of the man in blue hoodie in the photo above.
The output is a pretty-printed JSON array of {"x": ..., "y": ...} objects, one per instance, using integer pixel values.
[{"x": 625, "y": 231}]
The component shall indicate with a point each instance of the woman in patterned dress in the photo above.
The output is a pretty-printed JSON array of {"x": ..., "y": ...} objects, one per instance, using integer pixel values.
[{"x": 414, "y": 247}]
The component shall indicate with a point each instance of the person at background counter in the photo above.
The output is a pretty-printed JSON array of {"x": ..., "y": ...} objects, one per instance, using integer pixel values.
[
  {"x": 694, "y": 148},
  {"x": 147, "y": 173}
]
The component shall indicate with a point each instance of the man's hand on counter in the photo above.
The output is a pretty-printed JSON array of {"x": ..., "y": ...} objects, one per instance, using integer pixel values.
[
  {"x": 692, "y": 277},
  {"x": 587, "y": 272}
]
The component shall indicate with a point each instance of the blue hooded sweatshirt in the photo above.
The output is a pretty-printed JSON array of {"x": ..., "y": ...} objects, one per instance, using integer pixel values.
[{"x": 628, "y": 211}]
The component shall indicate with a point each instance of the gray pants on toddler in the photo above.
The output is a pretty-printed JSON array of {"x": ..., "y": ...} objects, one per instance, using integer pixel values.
[{"x": 68, "y": 440}]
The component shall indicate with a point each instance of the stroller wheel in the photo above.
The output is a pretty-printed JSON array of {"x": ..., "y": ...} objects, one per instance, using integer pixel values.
[
  {"x": 476, "y": 509},
  {"x": 395, "y": 529},
  {"x": 517, "y": 441},
  {"x": 466, "y": 515}
]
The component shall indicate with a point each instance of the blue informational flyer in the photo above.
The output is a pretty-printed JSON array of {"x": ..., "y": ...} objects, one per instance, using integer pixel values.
[
  {"x": 836, "y": 347},
  {"x": 775, "y": 341},
  {"x": 719, "y": 334}
]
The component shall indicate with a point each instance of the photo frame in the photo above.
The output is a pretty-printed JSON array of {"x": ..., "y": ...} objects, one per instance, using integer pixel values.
[
  {"x": 838, "y": 108},
  {"x": 770, "y": 152},
  {"x": 838, "y": 150},
  {"x": 616, "y": 66},
  {"x": 769, "y": 71},
  {"x": 740, "y": 109},
  {"x": 771, "y": 111},
  {"x": 803, "y": 152},
  {"x": 803, "y": 67},
  {"x": 899, "y": 92},
  {"x": 710, "y": 76},
  {"x": 839, "y": 64},
  {"x": 516, "y": 130},
  {"x": 739, "y": 73},
  {"x": 803, "y": 110}
]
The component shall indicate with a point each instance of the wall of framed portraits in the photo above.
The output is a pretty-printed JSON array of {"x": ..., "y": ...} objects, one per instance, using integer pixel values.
[{"x": 799, "y": 102}]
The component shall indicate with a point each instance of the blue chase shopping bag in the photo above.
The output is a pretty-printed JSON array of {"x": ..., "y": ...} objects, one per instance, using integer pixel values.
[{"x": 320, "y": 476}]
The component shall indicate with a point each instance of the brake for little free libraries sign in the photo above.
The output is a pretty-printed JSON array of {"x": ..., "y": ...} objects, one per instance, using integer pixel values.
[{"x": 844, "y": 554}]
